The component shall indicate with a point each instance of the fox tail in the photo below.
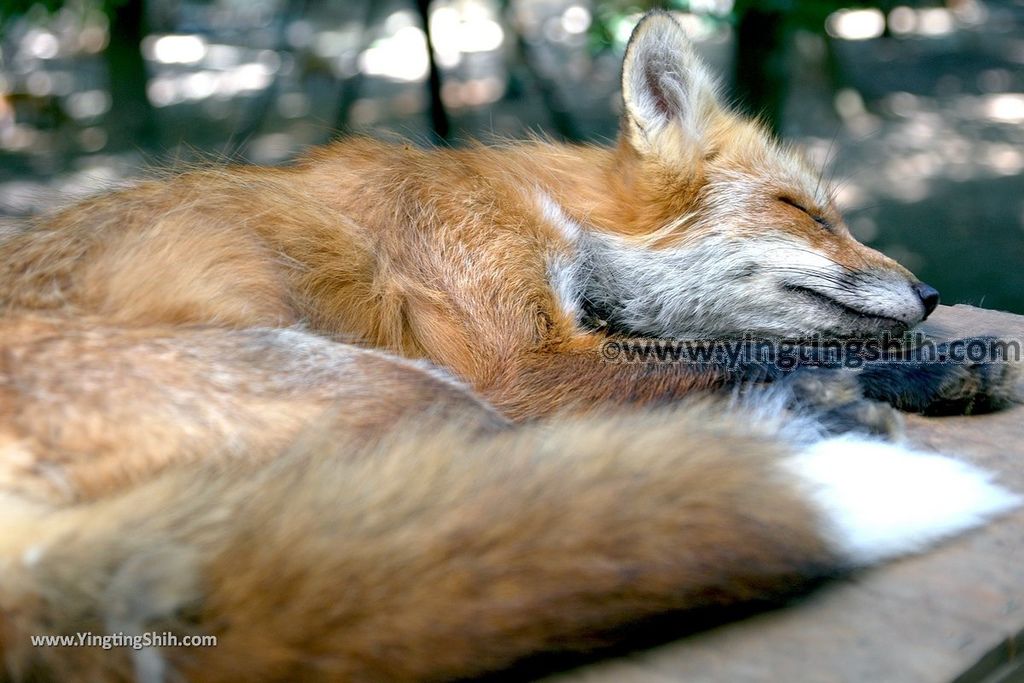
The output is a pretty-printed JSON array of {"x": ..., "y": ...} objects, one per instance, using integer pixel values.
[{"x": 441, "y": 553}]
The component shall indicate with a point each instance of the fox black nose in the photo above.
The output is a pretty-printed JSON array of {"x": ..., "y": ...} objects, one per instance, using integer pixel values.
[{"x": 929, "y": 297}]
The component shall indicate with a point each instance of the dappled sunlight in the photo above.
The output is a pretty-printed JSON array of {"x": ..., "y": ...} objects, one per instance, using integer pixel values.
[
  {"x": 925, "y": 139},
  {"x": 1004, "y": 108},
  {"x": 174, "y": 49},
  {"x": 856, "y": 24},
  {"x": 401, "y": 55}
]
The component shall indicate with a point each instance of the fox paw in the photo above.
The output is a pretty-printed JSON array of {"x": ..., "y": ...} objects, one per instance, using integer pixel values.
[
  {"x": 934, "y": 388},
  {"x": 836, "y": 399}
]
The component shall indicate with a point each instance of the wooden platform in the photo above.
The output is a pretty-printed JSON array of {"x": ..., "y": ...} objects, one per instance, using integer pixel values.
[{"x": 954, "y": 614}]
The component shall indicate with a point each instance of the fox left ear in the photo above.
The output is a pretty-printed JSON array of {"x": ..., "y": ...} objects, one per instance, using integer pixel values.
[{"x": 670, "y": 98}]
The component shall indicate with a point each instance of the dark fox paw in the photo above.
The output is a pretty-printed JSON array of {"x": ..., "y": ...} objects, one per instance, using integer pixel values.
[
  {"x": 836, "y": 399},
  {"x": 933, "y": 388}
]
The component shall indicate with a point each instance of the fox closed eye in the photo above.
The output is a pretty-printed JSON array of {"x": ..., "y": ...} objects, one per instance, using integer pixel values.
[{"x": 816, "y": 217}]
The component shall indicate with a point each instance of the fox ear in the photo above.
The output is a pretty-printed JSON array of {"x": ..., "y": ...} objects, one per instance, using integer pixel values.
[{"x": 670, "y": 98}]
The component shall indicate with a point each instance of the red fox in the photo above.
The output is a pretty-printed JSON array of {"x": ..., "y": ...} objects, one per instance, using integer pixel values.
[
  {"x": 491, "y": 261},
  {"x": 186, "y": 447},
  {"x": 252, "y": 485}
]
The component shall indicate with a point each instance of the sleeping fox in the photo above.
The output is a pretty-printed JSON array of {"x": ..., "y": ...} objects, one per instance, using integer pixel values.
[
  {"x": 492, "y": 261},
  {"x": 187, "y": 447}
]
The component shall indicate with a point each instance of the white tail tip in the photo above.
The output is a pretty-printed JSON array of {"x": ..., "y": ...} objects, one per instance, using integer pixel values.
[{"x": 882, "y": 501}]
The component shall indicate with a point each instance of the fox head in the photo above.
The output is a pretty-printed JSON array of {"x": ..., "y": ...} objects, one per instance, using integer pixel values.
[{"x": 721, "y": 230}]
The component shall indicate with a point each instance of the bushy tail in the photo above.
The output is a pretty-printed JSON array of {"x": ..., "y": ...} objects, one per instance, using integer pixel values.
[{"x": 437, "y": 554}]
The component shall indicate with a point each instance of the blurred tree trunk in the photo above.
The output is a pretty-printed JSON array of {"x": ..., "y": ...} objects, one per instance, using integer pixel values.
[
  {"x": 132, "y": 122},
  {"x": 762, "y": 79},
  {"x": 255, "y": 115},
  {"x": 351, "y": 86},
  {"x": 526, "y": 79},
  {"x": 439, "y": 121}
]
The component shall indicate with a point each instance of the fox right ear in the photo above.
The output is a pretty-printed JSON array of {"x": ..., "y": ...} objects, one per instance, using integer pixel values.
[{"x": 670, "y": 98}]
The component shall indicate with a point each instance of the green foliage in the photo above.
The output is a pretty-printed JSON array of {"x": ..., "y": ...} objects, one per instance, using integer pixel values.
[
  {"x": 611, "y": 16},
  {"x": 809, "y": 16},
  {"x": 21, "y": 6},
  {"x": 13, "y": 8}
]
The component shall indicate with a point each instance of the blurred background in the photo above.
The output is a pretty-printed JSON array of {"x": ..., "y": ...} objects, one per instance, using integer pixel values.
[{"x": 915, "y": 108}]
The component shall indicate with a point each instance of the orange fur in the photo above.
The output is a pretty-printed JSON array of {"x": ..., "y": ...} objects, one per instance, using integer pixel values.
[
  {"x": 186, "y": 446},
  {"x": 439, "y": 254},
  {"x": 448, "y": 545},
  {"x": 79, "y": 418}
]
